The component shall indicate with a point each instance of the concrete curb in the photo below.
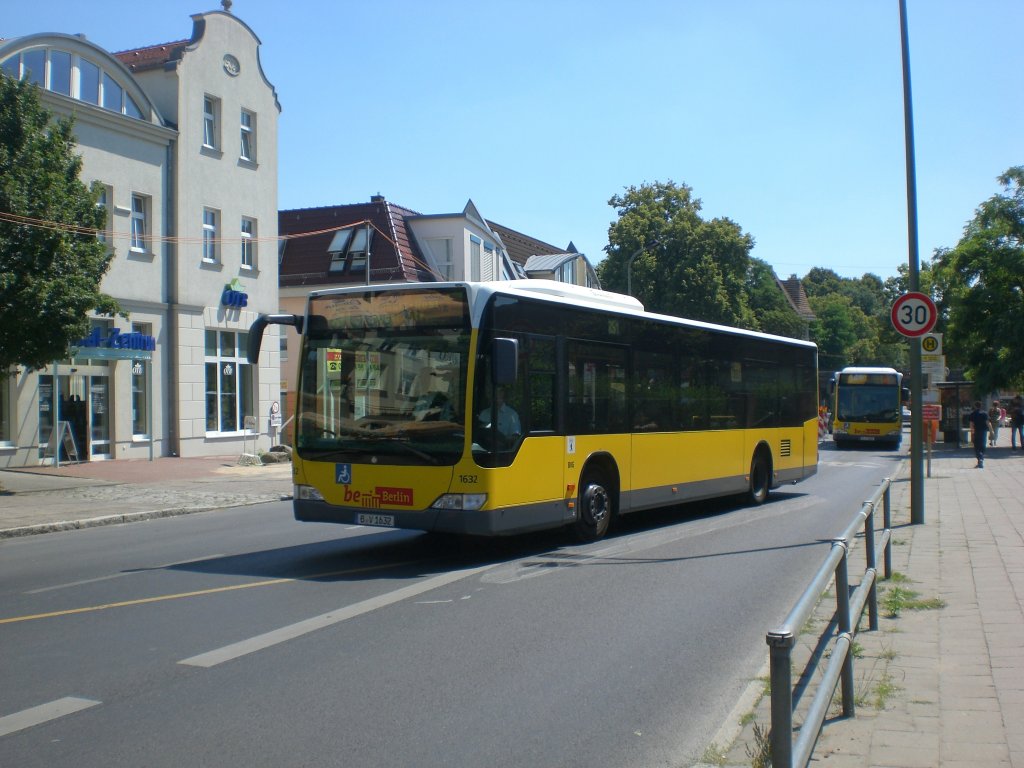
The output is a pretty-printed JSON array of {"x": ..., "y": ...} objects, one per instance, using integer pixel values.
[{"x": 127, "y": 517}]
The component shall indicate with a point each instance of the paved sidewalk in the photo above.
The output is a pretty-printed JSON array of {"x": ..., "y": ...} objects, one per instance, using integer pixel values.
[
  {"x": 942, "y": 682},
  {"x": 44, "y": 499}
]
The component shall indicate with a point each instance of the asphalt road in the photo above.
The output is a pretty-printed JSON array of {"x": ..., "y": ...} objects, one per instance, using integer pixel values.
[{"x": 241, "y": 637}]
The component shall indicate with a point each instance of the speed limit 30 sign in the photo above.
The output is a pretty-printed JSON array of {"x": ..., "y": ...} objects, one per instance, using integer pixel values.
[{"x": 914, "y": 314}]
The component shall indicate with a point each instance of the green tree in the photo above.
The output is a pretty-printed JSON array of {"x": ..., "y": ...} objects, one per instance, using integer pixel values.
[
  {"x": 51, "y": 263},
  {"x": 843, "y": 333},
  {"x": 677, "y": 262},
  {"x": 980, "y": 290}
]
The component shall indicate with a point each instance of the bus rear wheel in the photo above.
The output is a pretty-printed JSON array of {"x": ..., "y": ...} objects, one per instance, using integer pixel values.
[
  {"x": 595, "y": 508},
  {"x": 760, "y": 479}
]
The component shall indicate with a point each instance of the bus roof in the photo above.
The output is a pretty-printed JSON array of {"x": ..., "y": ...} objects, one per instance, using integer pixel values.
[
  {"x": 563, "y": 294},
  {"x": 869, "y": 369}
]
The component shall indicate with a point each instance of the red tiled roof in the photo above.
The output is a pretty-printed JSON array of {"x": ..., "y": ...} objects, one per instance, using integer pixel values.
[
  {"x": 393, "y": 254},
  {"x": 794, "y": 290},
  {"x": 153, "y": 56}
]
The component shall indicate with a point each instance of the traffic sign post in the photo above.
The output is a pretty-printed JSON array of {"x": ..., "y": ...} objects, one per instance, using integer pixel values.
[{"x": 914, "y": 314}]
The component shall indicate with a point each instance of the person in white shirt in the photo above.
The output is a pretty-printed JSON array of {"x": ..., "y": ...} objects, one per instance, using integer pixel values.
[{"x": 508, "y": 419}]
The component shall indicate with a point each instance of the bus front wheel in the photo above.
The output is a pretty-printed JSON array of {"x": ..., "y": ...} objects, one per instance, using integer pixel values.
[
  {"x": 595, "y": 508},
  {"x": 760, "y": 479}
]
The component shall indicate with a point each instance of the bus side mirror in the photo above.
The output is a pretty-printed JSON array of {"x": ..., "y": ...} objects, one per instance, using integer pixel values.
[
  {"x": 504, "y": 361},
  {"x": 252, "y": 349}
]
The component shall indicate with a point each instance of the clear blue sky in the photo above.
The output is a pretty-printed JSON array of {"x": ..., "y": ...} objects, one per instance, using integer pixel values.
[{"x": 785, "y": 116}]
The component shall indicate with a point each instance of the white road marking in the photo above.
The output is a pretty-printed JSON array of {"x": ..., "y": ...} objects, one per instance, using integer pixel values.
[
  {"x": 292, "y": 631},
  {"x": 44, "y": 713}
]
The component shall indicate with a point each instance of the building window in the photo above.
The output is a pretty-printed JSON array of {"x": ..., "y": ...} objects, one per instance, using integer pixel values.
[
  {"x": 103, "y": 202},
  {"x": 60, "y": 72},
  {"x": 567, "y": 272},
  {"x": 210, "y": 224},
  {"x": 359, "y": 249},
  {"x": 474, "y": 258},
  {"x": 211, "y": 133},
  {"x": 70, "y": 75},
  {"x": 228, "y": 382},
  {"x": 88, "y": 82},
  {"x": 248, "y": 243},
  {"x": 140, "y": 388},
  {"x": 248, "y": 126},
  {"x": 349, "y": 248},
  {"x": 140, "y": 223},
  {"x": 338, "y": 249},
  {"x": 284, "y": 346},
  {"x": 441, "y": 250},
  {"x": 6, "y": 436}
]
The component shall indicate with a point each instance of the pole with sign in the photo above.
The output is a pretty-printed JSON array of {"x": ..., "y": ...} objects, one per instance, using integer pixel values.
[{"x": 913, "y": 315}]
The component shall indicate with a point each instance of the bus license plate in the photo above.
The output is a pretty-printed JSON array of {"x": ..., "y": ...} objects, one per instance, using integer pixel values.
[{"x": 385, "y": 520}]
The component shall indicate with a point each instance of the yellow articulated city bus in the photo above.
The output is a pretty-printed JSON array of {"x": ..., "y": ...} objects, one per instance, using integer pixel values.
[
  {"x": 868, "y": 406},
  {"x": 505, "y": 407}
]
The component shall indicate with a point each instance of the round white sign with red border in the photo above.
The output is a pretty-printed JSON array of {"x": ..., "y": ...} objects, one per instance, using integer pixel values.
[{"x": 914, "y": 314}]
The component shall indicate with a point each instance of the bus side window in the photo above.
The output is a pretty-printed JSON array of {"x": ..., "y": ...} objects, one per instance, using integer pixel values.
[{"x": 542, "y": 385}]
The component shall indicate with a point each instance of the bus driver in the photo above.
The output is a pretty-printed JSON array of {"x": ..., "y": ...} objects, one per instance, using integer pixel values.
[{"x": 508, "y": 419}]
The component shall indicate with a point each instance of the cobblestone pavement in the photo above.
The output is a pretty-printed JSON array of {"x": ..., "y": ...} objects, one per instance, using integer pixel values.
[{"x": 43, "y": 499}]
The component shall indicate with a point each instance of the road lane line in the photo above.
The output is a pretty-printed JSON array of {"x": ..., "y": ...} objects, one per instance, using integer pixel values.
[
  {"x": 292, "y": 631},
  {"x": 44, "y": 713},
  {"x": 200, "y": 593}
]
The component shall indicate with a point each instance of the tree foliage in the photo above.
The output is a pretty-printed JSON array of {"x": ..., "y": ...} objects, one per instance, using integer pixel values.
[
  {"x": 676, "y": 262},
  {"x": 50, "y": 269},
  {"x": 979, "y": 285}
]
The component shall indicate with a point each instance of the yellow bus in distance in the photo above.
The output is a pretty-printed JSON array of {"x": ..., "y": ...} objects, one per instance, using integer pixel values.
[
  {"x": 867, "y": 406},
  {"x": 505, "y": 407}
]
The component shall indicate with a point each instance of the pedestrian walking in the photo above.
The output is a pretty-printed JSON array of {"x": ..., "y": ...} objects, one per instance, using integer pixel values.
[
  {"x": 979, "y": 432},
  {"x": 994, "y": 421},
  {"x": 1016, "y": 422}
]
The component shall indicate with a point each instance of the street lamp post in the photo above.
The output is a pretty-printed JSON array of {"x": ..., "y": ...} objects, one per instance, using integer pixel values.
[{"x": 629, "y": 266}]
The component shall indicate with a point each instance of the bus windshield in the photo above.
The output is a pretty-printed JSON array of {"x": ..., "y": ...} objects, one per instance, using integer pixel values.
[
  {"x": 868, "y": 402},
  {"x": 383, "y": 377}
]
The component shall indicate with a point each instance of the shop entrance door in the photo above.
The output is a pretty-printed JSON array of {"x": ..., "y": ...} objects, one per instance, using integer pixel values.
[{"x": 83, "y": 401}]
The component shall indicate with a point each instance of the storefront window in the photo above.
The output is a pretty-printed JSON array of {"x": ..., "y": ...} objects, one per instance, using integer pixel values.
[{"x": 228, "y": 382}]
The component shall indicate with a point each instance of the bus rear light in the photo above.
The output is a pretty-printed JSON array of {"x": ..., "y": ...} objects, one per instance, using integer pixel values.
[
  {"x": 467, "y": 501},
  {"x": 308, "y": 493}
]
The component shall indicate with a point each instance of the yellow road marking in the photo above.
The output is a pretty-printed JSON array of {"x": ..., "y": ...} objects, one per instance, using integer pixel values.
[{"x": 196, "y": 593}]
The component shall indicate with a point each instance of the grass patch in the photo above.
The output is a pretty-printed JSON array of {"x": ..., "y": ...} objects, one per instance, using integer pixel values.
[
  {"x": 713, "y": 755},
  {"x": 760, "y": 752},
  {"x": 899, "y": 599},
  {"x": 885, "y": 690}
]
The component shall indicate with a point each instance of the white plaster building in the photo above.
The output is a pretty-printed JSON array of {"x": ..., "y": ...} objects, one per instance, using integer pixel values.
[{"x": 173, "y": 132}]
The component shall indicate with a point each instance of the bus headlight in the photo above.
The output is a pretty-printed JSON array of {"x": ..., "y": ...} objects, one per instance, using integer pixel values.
[
  {"x": 308, "y": 493},
  {"x": 467, "y": 501}
]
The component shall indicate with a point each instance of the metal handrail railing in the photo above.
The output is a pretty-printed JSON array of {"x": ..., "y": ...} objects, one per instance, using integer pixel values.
[{"x": 784, "y": 751}]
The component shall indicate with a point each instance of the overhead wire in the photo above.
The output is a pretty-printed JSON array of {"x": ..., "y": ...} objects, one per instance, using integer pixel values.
[{"x": 109, "y": 234}]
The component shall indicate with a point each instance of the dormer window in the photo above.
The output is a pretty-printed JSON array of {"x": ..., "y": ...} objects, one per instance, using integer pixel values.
[
  {"x": 348, "y": 250},
  {"x": 71, "y": 75}
]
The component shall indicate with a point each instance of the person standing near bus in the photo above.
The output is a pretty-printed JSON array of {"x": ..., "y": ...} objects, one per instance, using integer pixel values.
[
  {"x": 994, "y": 422},
  {"x": 979, "y": 432},
  {"x": 1016, "y": 422}
]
